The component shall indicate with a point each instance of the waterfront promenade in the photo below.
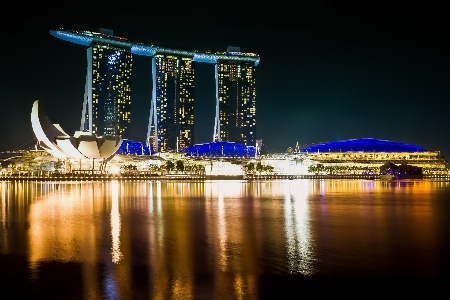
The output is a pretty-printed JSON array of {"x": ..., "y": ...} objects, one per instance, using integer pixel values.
[{"x": 143, "y": 175}]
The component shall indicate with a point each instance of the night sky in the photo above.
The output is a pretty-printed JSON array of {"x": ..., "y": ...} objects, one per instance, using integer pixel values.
[{"x": 328, "y": 71}]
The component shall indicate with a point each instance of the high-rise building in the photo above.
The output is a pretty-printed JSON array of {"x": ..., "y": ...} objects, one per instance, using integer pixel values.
[
  {"x": 106, "y": 110},
  {"x": 236, "y": 119},
  {"x": 174, "y": 102},
  {"x": 108, "y": 84}
]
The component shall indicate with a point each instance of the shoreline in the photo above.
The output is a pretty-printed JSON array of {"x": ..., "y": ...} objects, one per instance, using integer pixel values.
[{"x": 183, "y": 177}]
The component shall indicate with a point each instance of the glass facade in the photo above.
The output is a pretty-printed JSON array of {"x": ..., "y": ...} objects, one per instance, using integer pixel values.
[
  {"x": 111, "y": 90},
  {"x": 237, "y": 102},
  {"x": 174, "y": 102}
]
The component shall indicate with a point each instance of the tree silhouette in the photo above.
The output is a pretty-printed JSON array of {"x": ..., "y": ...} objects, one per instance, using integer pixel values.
[
  {"x": 180, "y": 165},
  {"x": 169, "y": 165},
  {"x": 250, "y": 167}
]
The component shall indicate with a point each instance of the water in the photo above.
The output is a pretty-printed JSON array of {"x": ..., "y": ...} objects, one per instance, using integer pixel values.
[{"x": 223, "y": 239}]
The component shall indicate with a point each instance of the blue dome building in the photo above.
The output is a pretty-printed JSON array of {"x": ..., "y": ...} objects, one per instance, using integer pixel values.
[{"x": 365, "y": 145}]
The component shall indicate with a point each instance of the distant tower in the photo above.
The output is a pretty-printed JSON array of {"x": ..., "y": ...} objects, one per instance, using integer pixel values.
[
  {"x": 172, "y": 108},
  {"x": 236, "y": 93},
  {"x": 107, "y": 98},
  {"x": 297, "y": 148},
  {"x": 258, "y": 147}
]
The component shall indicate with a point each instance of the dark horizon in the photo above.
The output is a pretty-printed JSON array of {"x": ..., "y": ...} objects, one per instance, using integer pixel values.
[{"x": 328, "y": 71}]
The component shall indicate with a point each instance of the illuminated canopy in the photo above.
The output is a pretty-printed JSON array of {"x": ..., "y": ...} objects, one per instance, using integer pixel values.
[
  {"x": 220, "y": 149},
  {"x": 134, "y": 147},
  {"x": 364, "y": 144}
]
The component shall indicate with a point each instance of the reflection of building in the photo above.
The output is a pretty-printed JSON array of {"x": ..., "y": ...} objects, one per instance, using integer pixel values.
[
  {"x": 107, "y": 97},
  {"x": 236, "y": 112},
  {"x": 174, "y": 102}
]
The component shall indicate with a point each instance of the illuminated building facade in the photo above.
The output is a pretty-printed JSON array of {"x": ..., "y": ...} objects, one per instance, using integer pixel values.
[
  {"x": 107, "y": 101},
  {"x": 236, "y": 112},
  {"x": 174, "y": 78},
  {"x": 171, "y": 121},
  {"x": 364, "y": 145},
  {"x": 367, "y": 155},
  {"x": 368, "y": 149}
]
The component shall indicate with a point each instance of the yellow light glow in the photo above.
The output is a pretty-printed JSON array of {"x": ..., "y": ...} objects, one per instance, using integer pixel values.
[
  {"x": 115, "y": 223},
  {"x": 297, "y": 228},
  {"x": 222, "y": 231},
  {"x": 114, "y": 170}
]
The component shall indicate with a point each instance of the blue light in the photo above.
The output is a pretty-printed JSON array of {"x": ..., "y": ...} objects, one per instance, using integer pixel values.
[
  {"x": 72, "y": 37},
  {"x": 364, "y": 144},
  {"x": 86, "y": 38},
  {"x": 207, "y": 58},
  {"x": 220, "y": 149},
  {"x": 113, "y": 58},
  {"x": 134, "y": 148},
  {"x": 143, "y": 50}
]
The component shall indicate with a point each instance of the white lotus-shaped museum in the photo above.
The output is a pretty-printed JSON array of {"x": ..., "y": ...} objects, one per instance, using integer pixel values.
[{"x": 82, "y": 145}]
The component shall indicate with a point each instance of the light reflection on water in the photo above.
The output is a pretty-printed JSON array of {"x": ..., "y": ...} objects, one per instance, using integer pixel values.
[
  {"x": 298, "y": 236},
  {"x": 115, "y": 223},
  {"x": 216, "y": 238},
  {"x": 222, "y": 225},
  {"x": 4, "y": 235}
]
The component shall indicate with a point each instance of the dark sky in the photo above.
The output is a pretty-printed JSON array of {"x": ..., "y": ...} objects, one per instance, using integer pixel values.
[{"x": 328, "y": 71}]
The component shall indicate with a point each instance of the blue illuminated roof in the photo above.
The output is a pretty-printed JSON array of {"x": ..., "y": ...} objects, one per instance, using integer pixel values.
[
  {"x": 68, "y": 36},
  {"x": 364, "y": 144},
  {"x": 133, "y": 147},
  {"x": 220, "y": 149}
]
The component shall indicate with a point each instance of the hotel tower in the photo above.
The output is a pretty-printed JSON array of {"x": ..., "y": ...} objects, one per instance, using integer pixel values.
[
  {"x": 236, "y": 107},
  {"x": 107, "y": 100},
  {"x": 174, "y": 88},
  {"x": 108, "y": 88}
]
